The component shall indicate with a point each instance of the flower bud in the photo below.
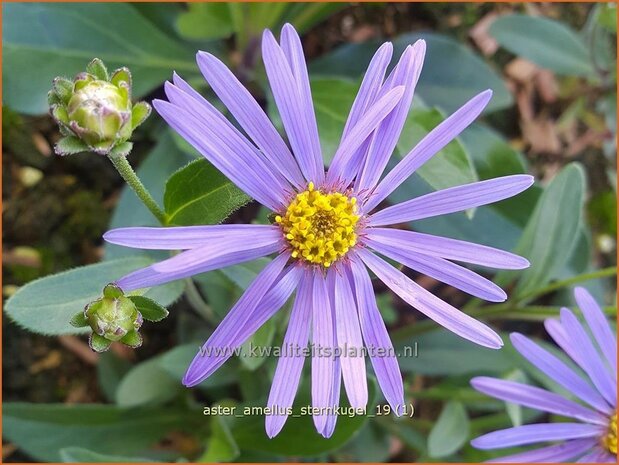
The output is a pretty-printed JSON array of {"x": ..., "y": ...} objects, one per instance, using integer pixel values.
[
  {"x": 94, "y": 111},
  {"x": 116, "y": 317}
]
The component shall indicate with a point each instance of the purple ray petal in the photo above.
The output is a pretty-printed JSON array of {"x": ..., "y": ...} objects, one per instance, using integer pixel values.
[
  {"x": 559, "y": 372},
  {"x": 184, "y": 237},
  {"x": 248, "y": 113},
  {"x": 444, "y": 271},
  {"x": 290, "y": 363},
  {"x": 445, "y": 247},
  {"x": 292, "y": 109},
  {"x": 599, "y": 326},
  {"x": 215, "y": 150},
  {"x": 598, "y": 455},
  {"x": 270, "y": 290},
  {"x": 431, "y": 306},
  {"x": 557, "y": 332},
  {"x": 334, "y": 400},
  {"x": 343, "y": 166},
  {"x": 350, "y": 343},
  {"x": 592, "y": 363},
  {"x": 322, "y": 339},
  {"x": 291, "y": 45},
  {"x": 536, "y": 398},
  {"x": 218, "y": 254},
  {"x": 531, "y": 434},
  {"x": 564, "y": 452},
  {"x": 453, "y": 199},
  {"x": 405, "y": 73},
  {"x": 431, "y": 144},
  {"x": 371, "y": 84},
  {"x": 377, "y": 339},
  {"x": 230, "y": 137}
]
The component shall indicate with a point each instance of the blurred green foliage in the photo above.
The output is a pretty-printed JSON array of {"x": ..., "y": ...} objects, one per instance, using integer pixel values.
[{"x": 556, "y": 225}]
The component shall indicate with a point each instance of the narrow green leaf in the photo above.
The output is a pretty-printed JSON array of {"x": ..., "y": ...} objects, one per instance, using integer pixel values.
[
  {"x": 61, "y": 39},
  {"x": 450, "y": 431},
  {"x": 253, "y": 349},
  {"x": 205, "y": 21},
  {"x": 46, "y": 306},
  {"x": 146, "y": 383},
  {"x": 149, "y": 309},
  {"x": 451, "y": 166},
  {"x": 110, "y": 370},
  {"x": 200, "y": 194},
  {"x": 545, "y": 42},
  {"x": 81, "y": 455},
  {"x": 552, "y": 231},
  {"x": 42, "y": 430},
  {"x": 221, "y": 446}
]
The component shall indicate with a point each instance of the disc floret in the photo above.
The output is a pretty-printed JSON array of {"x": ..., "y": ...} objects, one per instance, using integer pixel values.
[
  {"x": 320, "y": 227},
  {"x": 610, "y": 440}
]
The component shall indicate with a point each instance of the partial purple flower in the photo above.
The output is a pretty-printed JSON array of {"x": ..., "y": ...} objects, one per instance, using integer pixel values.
[
  {"x": 325, "y": 234},
  {"x": 593, "y": 436}
]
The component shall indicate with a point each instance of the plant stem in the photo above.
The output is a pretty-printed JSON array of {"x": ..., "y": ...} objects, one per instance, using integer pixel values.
[
  {"x": 606, "y": 272},
  {"x": 126, "y": 172},
  {"x": 196, "y": 301}
]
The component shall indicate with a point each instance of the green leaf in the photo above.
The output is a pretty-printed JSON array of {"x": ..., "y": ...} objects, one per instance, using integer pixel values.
[
  {"x": 81, "y": 455},
  {"x": 79, "y": 320},
  {"x": 450, "y": 431},
  {"x": 146, "y": 383},
  {"x": 139, "y": 113},
  {"x": 515, "y": 410},
  {"x": 42, "y": 430},
  {"x": 176, "y": 361},
  {"x": 451, "y": 166},
  {"x": 552, "y": 231},
  {"x": 61, "y": 39},
  {"x": 200, "y": 194},
  {"x": 98, "y": 343},
  {"x": 432, "y": 353},
  {"x": 205, "y": 21},
  {"x": 163, "y": 160},
  {"x": 97, "y": 69},
  {"x": 299, "y": 436},
  {"x": 132, "y": 339},
  {"x": 333, "y": 99},
  {"x": 439, "y": 86},
  {"x": 221, "y": 446},
  {"x": 46, "y": 306},
  {"x": 70, "y": 145},
  {"x": 110, "y": 370},
  {"x": 260, "y": 341},
  {"x": 149, "y": 309},
  {"x": 545, "y": 42}
]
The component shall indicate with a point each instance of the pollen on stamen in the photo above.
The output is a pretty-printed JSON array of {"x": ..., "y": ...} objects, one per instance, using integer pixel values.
[{"x": 320, "y": 227}]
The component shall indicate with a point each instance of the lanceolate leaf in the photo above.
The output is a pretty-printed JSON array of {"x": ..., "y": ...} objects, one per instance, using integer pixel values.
[
  {"x": 45, "y": 40},
  {"x": 46, "y": 306},
  {"x": 552, "y": 231},
  {"x": 449, "y": 432},
  {"x": 545, "y": 42},
  {"x": 42, "y": 430},
  {"x": 200, "y": 194}
]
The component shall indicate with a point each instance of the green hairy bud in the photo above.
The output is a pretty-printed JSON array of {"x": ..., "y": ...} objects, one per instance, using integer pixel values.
[
  {"x": 95, "y": 112},
  {"x": 117, "y": 318}
]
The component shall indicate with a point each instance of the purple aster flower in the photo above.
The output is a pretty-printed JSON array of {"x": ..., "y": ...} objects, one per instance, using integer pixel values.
[
  {"x": 593, "y": 437},
  {"x": 325, "y": 227}
]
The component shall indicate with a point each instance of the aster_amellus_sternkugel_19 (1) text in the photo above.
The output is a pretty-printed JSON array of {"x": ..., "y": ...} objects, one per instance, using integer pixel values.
[{"x": 325, "y": 232}]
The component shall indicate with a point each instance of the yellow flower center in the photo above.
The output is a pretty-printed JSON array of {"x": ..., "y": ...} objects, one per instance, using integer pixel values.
[
  {"x": 610, "y": 441},
  {"x": 320, "y": 227}
]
